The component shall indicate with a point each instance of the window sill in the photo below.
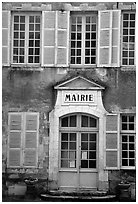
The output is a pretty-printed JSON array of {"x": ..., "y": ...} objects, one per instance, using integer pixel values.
[
  {"x": 128, "y": 68},
  {"x": 128, "y": 168},
  {"x": 25, "y": 68}
]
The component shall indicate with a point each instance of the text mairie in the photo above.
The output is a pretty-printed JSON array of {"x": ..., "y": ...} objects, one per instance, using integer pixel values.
[{"x": 76, "y": 97}]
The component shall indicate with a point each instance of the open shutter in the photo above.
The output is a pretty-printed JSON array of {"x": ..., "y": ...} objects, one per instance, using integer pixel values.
[
  {"x": 31, "y": 139},
  {"x": 109, "y": 38},
  {"x": 14, "y": 140},
  {"x": 104, "y": 45},
  {"x": 5, "y": 38},
  {"x": 48, "y": 38},
  {"x": 115, "y": 53},
  {"x": 62, "y": 38},
  {"x": 112, "y": 141}
]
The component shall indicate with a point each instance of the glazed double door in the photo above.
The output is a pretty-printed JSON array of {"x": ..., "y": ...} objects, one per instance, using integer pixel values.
[{"x": 78, "y": 160}]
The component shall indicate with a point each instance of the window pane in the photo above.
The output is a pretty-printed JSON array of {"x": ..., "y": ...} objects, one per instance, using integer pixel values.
[
  {"x": 72, "y": 136},
  {"x": 131, "y": 118},
  {"x": 64, "y": 163},
  {"x": 84, "y": 137},
  {"x": 131, "y": 138},
  {"x": 73, "y": 121},
  {"x": 124, "y": 138},
  {"x": 92, "y": 155},
  {"x": 131, "y": 162},
  {"x": 84, "y": 121},
  {"x": 22, "y": 19},
  {"x": 92, "y": 137},
  {"x": 124, "y": 154},
  {"x": 84, "y": 164},
  {"x": 92, "y": 164},
  {"x": 64, "y": 145},
  {"x": 92, "y": 122},
  {"x": 64, "y": 137},
  {"x": 131, "y": 154},
  {"x": 124, "y": 162},
  {"x": 72, "y": 145},
  {"x": 64, "y": 122},
  {"x": 72, "y": 155},
  {"x": 64, "y": 154},
  {"x": 124, "y": 147},
  {"x": 84, "y": 145},
  {"x": 16, "y": 18},
  {"x": 92, "y": 146}
]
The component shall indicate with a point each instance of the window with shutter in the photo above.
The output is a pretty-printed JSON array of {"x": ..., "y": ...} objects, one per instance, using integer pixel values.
[
  {"x": 26, "y": 38},
  {"x": 109, "y": 38},
  {"x": 83, "y": 39},
  {"x": 6, "y": 38},
  {"x": 23, "y": 139},
  {"x": 112, "y": 141}
]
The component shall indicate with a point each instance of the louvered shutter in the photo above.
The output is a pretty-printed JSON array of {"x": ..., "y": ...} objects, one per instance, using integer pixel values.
[
  {"x": 115, "y": 52},
  {"x": 62, "y": 38},
  {"x": 48, "y": 38},
  {"x": 112, "y": 141},
  {"x": 31, "y": 139},
  {"x": 15, "y": 140},
  {"x": 104, "y": 39},
  {"x": 109, "y": 38},
  {"x": 5, "y": 38}
]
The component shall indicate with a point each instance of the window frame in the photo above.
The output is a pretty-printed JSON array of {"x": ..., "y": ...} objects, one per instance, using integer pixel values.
[
  {"x": 127, "y": 133},
  {"x": 78, "y": 130},
  {"x": 122, "y": 65},
  {"x": 26, "y": 47},
  {"x": 93, "y": 13}
]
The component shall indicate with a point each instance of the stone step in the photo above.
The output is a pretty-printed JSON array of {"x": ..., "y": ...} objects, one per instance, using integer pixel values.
[{"x": 77, "y": 197}]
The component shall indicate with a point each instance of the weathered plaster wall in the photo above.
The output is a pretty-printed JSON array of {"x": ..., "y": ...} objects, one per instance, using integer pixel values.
[{"x": 33, "y": 91}]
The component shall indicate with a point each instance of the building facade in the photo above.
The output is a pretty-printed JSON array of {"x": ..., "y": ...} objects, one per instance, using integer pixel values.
[{"x": 69, "y": 94}]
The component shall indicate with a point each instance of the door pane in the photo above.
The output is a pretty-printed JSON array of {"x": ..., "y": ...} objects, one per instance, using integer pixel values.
[
  {"x": 68, "y": 150},
  {"x": 88, "y": 150}
]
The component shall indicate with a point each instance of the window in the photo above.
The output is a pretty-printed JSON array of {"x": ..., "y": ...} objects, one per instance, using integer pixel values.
[
  {"x": 23, "y": 140},
  {"x": 26, "y": 38},
  {"x": 78, "y": 141},
  {"x": 128, "y": 39},
  {"x": 128, "y": 141},
  {"x": 83, "y": 39}
]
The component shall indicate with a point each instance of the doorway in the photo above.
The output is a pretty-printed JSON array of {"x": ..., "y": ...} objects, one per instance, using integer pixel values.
[{"x": 78, "y": 152}]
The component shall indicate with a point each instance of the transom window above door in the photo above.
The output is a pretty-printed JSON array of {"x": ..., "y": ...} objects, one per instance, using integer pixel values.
[
  {"x": 83, "y": 39},
  {"x": 26, "y": 38},
  {"x": 78, "y": 141}
]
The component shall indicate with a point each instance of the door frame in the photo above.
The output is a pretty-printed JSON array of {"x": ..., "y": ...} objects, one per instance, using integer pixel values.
[{"x": 54, "y": 116}]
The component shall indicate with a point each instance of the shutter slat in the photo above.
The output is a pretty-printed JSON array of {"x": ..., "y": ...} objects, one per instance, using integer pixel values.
[
  {"x": 15, "y": 140},
  {"x": 112, "y": 147},
  {"x": 30, "y": 139},
  {"x": 48, "y": 38},
  {"x": 5, "y": 38},
  {"x": 31, "y": 122},
  {"x": 15, "y": 122},
  {"x": 111, "y": 159},
  {"x": 14, "y": 158},
  {"x": 30, "y": 158}
]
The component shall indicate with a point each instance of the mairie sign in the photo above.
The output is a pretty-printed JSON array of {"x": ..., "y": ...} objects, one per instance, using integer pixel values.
[{"x": 78, "y": 97}]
